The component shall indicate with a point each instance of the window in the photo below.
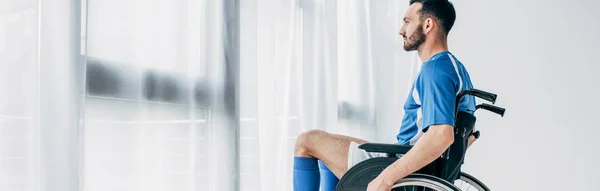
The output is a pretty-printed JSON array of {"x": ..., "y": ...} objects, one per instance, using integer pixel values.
[{"x": 147, "y": 111}]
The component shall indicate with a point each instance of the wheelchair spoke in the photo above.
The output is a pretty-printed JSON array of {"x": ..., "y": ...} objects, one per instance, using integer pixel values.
[
  {"x": 467, "y": 185},
  {"x": 424, "y": 182},
  {"x": 467, "y": 181}
]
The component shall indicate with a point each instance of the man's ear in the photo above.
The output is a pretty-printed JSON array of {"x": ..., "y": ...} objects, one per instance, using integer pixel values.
[{"x": 428, "y": 25}]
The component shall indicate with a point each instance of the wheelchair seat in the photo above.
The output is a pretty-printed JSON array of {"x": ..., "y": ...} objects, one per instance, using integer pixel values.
[{"x": 441, "y": 172}]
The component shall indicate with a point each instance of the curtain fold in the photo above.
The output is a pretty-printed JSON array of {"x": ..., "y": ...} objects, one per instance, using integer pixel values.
[{"x": 61, "y": 90}]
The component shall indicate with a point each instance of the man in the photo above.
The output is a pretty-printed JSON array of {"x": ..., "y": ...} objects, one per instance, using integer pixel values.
[{"x": 429, "y": 108}]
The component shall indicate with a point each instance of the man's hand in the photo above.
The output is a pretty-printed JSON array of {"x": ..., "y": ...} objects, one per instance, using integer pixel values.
[
  {"x": 428, "y": 148},
  {"x": 471, "y": 139},
  {"x": 379, "y": 185}
]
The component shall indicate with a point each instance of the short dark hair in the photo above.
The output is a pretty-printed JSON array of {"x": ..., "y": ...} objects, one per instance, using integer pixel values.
[{"x": 440, "y": 10}]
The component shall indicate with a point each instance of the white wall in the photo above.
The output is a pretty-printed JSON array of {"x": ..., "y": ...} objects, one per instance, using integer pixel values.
[{"x": 540, "y": 57}]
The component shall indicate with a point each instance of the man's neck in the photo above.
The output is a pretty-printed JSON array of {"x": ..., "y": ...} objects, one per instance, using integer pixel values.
[{"x": 426, "y": 51}]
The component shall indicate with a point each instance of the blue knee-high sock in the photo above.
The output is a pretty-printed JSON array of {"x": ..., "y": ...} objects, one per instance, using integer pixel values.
[
  {"x": 328, "y": 179},
  {"x": 306, "y": 174}
]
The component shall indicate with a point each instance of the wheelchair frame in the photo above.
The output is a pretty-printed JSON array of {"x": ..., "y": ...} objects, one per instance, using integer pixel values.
[{"x": 438, "y": 175}]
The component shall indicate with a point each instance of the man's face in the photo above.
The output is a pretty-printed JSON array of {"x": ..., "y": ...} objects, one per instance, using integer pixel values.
[{"x": 412, "y": 30}]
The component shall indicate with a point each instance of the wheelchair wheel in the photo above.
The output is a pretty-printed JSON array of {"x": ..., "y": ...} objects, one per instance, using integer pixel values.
[
  {"x": 423, "y": 182},
  {"x": 467, "y": 182}
]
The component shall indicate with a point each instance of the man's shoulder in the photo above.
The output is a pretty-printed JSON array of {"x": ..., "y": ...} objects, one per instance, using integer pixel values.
[
  {"x": 441, "y": 66},
  {"x": 440, "y": 71}
]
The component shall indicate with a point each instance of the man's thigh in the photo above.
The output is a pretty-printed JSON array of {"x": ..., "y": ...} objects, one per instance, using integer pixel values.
[{"x": 333, "y": 149}]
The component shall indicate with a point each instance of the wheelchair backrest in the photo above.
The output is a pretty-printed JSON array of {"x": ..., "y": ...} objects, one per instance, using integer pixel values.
[{"x": 448, "y": 167}]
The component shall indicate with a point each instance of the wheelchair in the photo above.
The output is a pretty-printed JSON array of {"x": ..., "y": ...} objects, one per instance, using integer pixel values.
[{"x": 443, "y": 174}]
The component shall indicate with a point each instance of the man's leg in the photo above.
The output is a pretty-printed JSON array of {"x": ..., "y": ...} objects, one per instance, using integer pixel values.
[
  {"x": 331, "y": 149},
  {"x": 328, "y": 179}
]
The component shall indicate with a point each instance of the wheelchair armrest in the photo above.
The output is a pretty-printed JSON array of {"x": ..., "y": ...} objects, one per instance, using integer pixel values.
[{"x": 391, "y": 149}]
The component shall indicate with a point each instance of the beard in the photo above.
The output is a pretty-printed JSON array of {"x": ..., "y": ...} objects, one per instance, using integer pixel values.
[{"x": 415, "y": 40}]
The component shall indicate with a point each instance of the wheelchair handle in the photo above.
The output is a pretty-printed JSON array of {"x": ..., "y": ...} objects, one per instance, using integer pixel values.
[
  {"x": 498, "y": 110},
  {"x": 477, "y": 93},
  {"x": 480, "y": 94}
]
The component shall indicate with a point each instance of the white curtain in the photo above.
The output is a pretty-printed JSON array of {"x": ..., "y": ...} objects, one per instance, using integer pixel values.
[
  {"x": 41, "y": 82},
  {"x": 337, "y": 66},
  {"x": 19, "y": 108},
  {"x": 135, "y": 95}
]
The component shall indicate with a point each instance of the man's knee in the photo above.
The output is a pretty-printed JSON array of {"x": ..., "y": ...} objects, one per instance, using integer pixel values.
[{"x": 304, "y": 142}]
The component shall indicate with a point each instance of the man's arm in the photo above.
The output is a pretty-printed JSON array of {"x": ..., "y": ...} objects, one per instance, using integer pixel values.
[
  {"x": 436, "y": 86},
  {"x": 428, "y": 148}
]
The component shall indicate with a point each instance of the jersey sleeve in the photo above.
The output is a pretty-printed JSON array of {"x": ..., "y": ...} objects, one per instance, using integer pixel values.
[{"x": 437, "y": 91}]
